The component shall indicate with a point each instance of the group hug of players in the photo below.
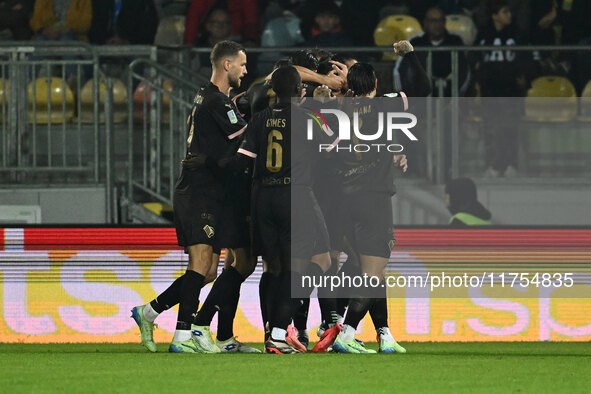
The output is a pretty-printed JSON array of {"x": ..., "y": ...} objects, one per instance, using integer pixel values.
[{"x": 261, "y": 189}]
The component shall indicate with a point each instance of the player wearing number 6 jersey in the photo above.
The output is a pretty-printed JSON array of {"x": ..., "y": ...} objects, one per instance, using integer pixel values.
[{"x": 286, "y": 216}]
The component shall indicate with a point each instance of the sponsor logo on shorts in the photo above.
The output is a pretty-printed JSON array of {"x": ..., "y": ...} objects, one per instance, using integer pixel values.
[{"x": 209, "y": 231}]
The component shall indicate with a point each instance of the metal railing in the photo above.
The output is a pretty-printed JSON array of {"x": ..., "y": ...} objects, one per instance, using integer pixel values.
[
  {"x": 138, "y": 157},
  {"x": 42, "y": 128},
  {"x": 440, "y": 119},
  {"x": 156, "y": 130}
]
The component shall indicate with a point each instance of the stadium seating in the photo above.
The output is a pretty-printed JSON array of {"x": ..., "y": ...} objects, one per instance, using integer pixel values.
[
  {"x": 541, "y": 104},
  {"x": 170, "y": 31},
  {"x": 54, "y": 92},
  {"x": 586, "y": 103},
  {"x": 282, "y": 32},
  {"x": 463, "y": 26},
  {"x": 160, "y": 209},
  {"x": 119, "y": 102},
  {"x": 138, "y": 102},
  {"x": 395, "y": 28}
]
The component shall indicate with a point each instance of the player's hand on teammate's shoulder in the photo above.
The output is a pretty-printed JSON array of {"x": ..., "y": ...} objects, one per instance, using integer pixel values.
[
  {"x": 401, "y": 162},
  {"x": 194, "y": 161},
  {"x": 403, "y": 47}
]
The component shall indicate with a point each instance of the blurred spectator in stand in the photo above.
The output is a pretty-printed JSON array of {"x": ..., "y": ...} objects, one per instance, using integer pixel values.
[
  {"x": 244, "y": 19},
  {"x": 435, "y": 35},
  {"x": 500, "y": 73},
  {"x": 358, "y": 18},
  {"x": 575, "y": 16},
  {"x": 61, "y": 20},
  {"x": 216, "y": 28},
  {"x": 123, "y": 22},
  {"x": 462, "y": 201},
  {"x": 544, "y": 30},
  {"x": 15, "y": 16},
  {"x": 543, "y": 20},
  {"x": 327, "y": 30}
]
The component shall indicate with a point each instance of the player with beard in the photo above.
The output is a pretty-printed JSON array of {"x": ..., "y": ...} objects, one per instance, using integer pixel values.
[{"x": 213, "y": 129}]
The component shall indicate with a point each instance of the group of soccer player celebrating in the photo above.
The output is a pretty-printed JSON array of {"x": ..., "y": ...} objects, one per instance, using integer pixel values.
[{"x": 254, "y": 185}]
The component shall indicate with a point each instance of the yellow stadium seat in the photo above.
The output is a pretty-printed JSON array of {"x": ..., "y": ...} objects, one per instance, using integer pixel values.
[
  {"x": 586, "y": 103},
  {"x": 157, "y": 207},
  {"x": 551, "y": 99},
  {"x": 138, "y": 101},
  {"x": 463, "y": 26},
  {"x": 166, "y": 97},
  {"x": 119, "y": 102},
  {"x": 170, "y": 31},
  {"x": 395, "y": 28},
  {"x": 60, "y": 98},
  {"x": 4, "y": 89}
]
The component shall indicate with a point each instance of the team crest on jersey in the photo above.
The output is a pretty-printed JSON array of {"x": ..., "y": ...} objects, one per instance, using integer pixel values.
[
  {"x": 209, "y": 231},
  {"x": 391, "y": 244},
  {"x": 232, "y": 116}
]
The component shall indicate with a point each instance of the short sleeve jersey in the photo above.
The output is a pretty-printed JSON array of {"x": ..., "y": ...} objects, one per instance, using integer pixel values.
[
  {"x": 213, "y": 127},
  {"x": 268, "y": 140},
  {"x": 279, "y": 153}
]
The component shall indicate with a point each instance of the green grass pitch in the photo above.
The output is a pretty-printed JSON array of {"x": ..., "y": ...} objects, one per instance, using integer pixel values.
[{"x": 427, "y": 367}]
